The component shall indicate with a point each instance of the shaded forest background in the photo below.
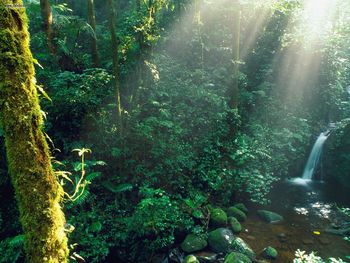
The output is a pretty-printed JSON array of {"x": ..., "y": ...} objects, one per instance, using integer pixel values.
[{"x": 151, "y": 102}]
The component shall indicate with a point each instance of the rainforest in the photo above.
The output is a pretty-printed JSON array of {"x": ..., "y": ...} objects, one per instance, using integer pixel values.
[{"x": 174, "y": 131}]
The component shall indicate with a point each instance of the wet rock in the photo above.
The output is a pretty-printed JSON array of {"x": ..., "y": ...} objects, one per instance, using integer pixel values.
[
  {"x": 270, "y": 217},
  {"x": 335, "y": 226},
  {"x": 237, "y": 213},
  {"x": 235, "y": 257},
  {"x": 270, "y": 253},
  {"x": 234, "y": 225},
  {"x": 218, "y": 218},
  {"x": 239, "y": 245},
  {"x": 206, "y": 256},
  {"x": 220, "y": 240},
  {"x": 191, "y": 259},
  {"x": 339, "y": 232},
  {"x": 282, "y": 235},
  {"x": 175, "y": 256},
  {"x": 242, "y": 207},
  {"x": 193, "y": 243}
]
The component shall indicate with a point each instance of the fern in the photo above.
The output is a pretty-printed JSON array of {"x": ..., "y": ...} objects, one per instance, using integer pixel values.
[
  {"x": 82, "y": 198},
  {"x": 92, "y": 176}
]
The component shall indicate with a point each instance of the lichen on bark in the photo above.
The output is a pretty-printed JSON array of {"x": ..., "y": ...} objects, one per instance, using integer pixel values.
[{"x": 37, "y": 191}]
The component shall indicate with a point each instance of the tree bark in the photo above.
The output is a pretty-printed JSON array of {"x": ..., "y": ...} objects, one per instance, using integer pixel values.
[
  {"x": 115, "y": 58},
  {"x": 234, "y": 94},
  {"x": 92, "y": 23},
  {"x": 38, "y": 192},
  {"x": 46, "y": 15}
]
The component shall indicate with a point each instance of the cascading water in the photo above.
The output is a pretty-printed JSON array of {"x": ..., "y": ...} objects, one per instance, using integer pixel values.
[{"x": 314, "y": 157}]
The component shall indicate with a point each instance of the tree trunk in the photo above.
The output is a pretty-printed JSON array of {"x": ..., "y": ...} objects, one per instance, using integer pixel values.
[
  {"x": 92, "y": 23},
  {"x": 234, "y": 94},
  {"x": 38, "y": 192},
  {"x": 116, "y": 70},
  {"x": 46, "y": 15}
]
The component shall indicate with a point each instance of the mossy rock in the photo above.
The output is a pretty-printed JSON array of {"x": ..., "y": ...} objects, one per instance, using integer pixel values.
[
  {"x": 235, "y": 257},
  {"x": 242, "y": 207},
  {"x": 218, "y": 218},
  {"x": 190, "y": 259},
  {"x": 237, "y": 213},
  {"x": 270, "y": 253},
  {"x": 270, "y": 217},
  {"x": 239, "y": 245},
  {"x": 220, "y": 240},
  {"x": 193, "y": 243},
  {"x": 235, "y": 225}
]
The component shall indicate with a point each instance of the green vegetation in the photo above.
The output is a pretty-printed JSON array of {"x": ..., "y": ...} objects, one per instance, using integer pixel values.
[{"x": 194, "y": 111}]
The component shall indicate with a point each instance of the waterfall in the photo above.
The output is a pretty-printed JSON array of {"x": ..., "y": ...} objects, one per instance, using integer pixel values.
[{"x": 315, "y": 155}]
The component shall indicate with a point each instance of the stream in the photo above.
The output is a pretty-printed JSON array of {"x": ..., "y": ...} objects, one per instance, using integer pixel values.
[{"x": 306, "y": 206}]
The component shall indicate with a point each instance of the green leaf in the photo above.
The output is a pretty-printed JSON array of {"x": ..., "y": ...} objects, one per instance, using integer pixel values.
[
  {"x": 43, "y": 92},
  {"x": 77, "y": 166},
  {"x": 190, "y": 203},
  {"x": 96, "y": 227},
  {"x": 198, "y": 214}
]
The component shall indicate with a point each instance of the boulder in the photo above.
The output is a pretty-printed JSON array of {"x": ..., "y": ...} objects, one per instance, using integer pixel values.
[
  {"x": 270, "y": 217},
  {"x": 235, "y": 257},
  {"x": 220, "y": 240},
  {"x": 242, "y": 207},
  {"x": 190, "y": 259},
  {"x": 193, "y": 243},
  {"x": 239, "y": 245},
  {"x": 270, "y": 253},
  {"x": 234, "y": 225},
  {"x": 218, "y": 218},
  {"x": 237, "y": 213}
]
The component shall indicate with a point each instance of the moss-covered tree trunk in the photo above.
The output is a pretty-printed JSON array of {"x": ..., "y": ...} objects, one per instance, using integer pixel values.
[
  {"x": 37, "y": 191},
  {"x": 234, "y": 92},
  {"x": 115, "y": 58},
  {"x": 92, "y": 23},
  {"x": 46, "y": 15}
]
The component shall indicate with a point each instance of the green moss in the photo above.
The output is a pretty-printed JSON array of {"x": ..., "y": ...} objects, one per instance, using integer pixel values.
[
  {"x": 235, "y": 225},
  {"x": 193, "y": 243},
  {"x": 237, "y": 213},
  {"x": 220, "y": 240},
  {"x": 270, "y": 253},
  {"x": 235, "y": 257},
  {"x": 37, "y": 190},
  {"x": 218, "y": 217}
]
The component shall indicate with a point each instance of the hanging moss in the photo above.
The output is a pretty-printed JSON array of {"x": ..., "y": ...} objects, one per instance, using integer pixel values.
[{"x": 37, "y": 190}]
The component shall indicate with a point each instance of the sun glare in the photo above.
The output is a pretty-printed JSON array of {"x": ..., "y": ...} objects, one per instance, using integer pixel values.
[{"x": 318, "y": 16}]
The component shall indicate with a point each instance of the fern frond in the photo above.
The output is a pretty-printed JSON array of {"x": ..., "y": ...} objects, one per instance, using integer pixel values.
[{"x": 92, "y": 176}]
